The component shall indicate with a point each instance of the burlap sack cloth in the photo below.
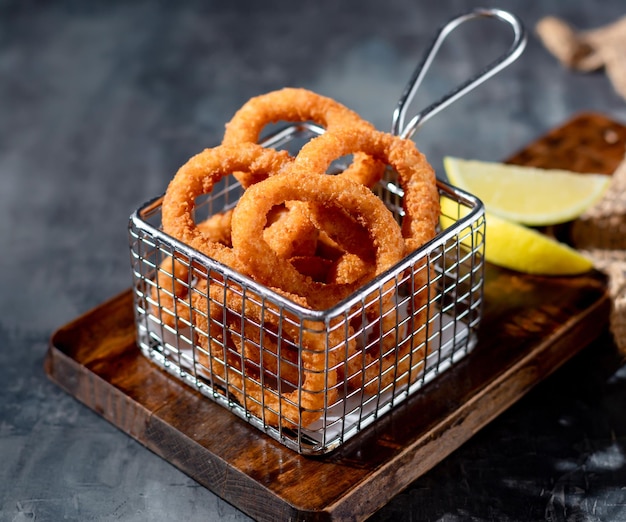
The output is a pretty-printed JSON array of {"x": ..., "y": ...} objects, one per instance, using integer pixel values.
[
  {"x": 586, "y": 51},
  {"x": 601, "y": 232}
]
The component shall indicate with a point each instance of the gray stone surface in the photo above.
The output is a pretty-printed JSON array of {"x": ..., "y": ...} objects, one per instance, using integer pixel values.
[{"x": 100, "y": 102}]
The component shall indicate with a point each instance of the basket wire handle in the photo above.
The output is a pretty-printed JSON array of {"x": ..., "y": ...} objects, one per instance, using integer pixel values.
[{"x": 399, "y": 115}]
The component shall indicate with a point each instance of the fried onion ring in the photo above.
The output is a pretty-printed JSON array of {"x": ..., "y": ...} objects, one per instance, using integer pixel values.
[
  {"x": 249, "y": 219},
  {"x": 299, "y": 105},
  {"x": 416, "y": 176},
  {"x": 198, "y": 176}
]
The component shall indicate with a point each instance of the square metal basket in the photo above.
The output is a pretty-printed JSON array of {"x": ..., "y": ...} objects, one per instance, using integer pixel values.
[
  {"x": 309, "y": 379},
  {"x": 312, "y": 379}
]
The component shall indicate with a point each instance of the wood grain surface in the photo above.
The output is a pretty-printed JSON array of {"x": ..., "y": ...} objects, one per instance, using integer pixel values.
[{"x": 531, "y": 326}]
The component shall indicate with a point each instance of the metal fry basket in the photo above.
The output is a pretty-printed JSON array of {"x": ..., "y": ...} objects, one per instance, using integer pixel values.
[{"x": 314, "y": 379}]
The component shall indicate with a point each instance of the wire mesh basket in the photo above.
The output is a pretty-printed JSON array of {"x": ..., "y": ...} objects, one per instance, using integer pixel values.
[{"x": 311, "y": 379}]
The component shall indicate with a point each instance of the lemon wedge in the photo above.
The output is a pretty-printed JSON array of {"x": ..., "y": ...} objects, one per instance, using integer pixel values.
[
  {"x": 527, "y": 195},
  {"x": 516, "y": 247}
]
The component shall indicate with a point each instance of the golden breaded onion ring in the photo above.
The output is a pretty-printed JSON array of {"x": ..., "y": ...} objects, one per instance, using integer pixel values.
[
  {"x": 416, "y": 176},
  {"x": 299, "y": 105},
  {"x": 197, "y": 177},
  {"x": 250, "y": 216}
]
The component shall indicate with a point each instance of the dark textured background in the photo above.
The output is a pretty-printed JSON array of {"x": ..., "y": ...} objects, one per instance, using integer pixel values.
[{"x": 100, "y": 102}]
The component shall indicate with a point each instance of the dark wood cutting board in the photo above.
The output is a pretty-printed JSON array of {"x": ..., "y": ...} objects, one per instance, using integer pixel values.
[{"x": 532, "y": 325}]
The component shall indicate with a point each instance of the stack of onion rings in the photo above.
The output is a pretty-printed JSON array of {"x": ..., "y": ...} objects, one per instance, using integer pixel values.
[
  {"x": 300, "y": 105},
  {"x": 315, "y": 239}
]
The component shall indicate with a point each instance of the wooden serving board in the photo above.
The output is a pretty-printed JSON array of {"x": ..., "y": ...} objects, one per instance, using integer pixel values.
[{"x": 531, "y": 326}]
